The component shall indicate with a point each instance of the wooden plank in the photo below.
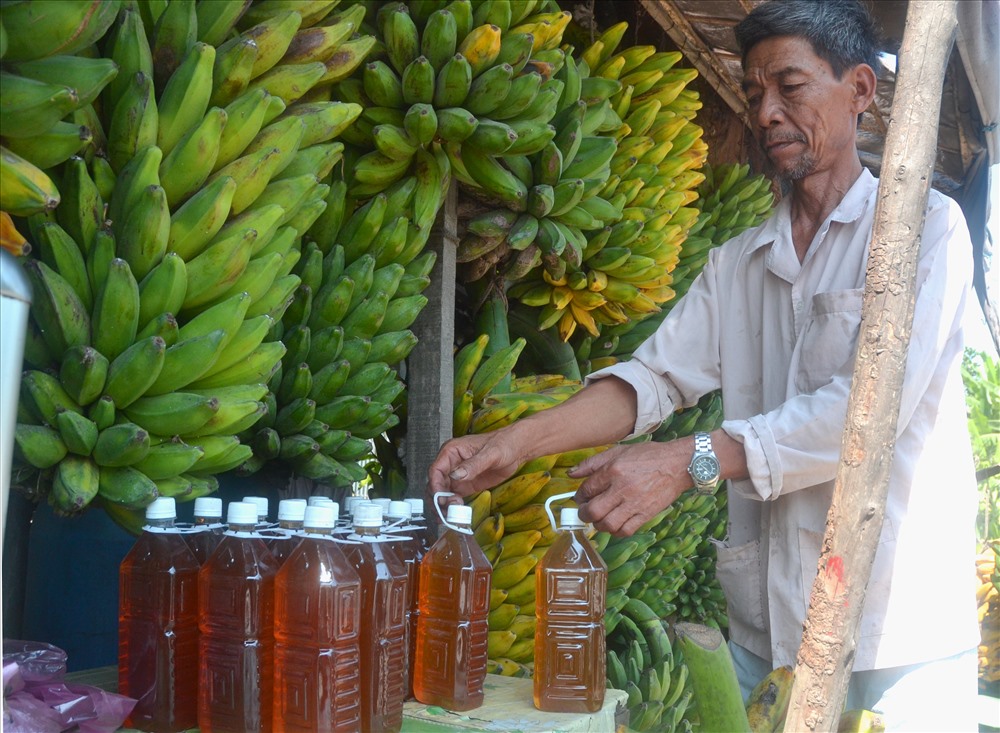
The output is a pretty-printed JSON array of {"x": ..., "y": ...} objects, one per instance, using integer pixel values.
[
  {"x": 854, "y": 522},
  {"x": 430, "y": 370},
  {"x": 683, "y": 34}
]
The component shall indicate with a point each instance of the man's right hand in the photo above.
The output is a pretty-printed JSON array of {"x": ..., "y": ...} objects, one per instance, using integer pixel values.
[{"x": 474, "y": 462}]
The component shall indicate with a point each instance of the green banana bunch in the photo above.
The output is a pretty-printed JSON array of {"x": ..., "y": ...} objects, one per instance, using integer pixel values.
[
  {"x": 347, "y": 327},
  {"x": 642, "y": 662},
  {"x": 164, "y": 320}
]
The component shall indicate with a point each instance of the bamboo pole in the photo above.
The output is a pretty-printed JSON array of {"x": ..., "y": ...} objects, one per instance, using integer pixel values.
[{"x": 853, "y": 525}]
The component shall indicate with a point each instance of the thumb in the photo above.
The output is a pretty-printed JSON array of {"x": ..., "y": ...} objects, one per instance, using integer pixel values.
[{"x": 472, "y": 467}]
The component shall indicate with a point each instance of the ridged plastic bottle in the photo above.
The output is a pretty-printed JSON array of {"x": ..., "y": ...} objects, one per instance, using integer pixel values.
[
  {"x": 158, "y": 625},
  {"x": 286, "y": 536},
  {"x": 317, "y": 618},
  {"x": 383, "y": 621},
  {"x": 236, "y": 620},
  {"x": 452, "y": 627},
  {"x": 208, "y": 527},
  {"x": 411, "y": 551},
  {"x": 570, "y": 590}
]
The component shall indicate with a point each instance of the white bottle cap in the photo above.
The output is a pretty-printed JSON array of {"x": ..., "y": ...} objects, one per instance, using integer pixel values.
[
  {"x": 416, "y": 507},
  {"x": 208, "y": 506},
  {"x": 319, "y": 517},
  {"x": 291, "y": 510},
  {"x": 162, "y": 507},
  {"x": 459, "y": 514},
  {"x": 353, "y": 501},
  {"x": 384, "y": 503},
  {"x": 261, "y": 502},
  {"x": 241, "y": 512},
  {"x": 399, "y": 510},
  {"x": 367, "y": 514},
  {"x": 569, "y": 517},
  {"x": 314, "y": 500}
]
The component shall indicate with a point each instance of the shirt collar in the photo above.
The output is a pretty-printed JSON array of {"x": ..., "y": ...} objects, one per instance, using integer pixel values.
[{"x": 850, "y": 208}]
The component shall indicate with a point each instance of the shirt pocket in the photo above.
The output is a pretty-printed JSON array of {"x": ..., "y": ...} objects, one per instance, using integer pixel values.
[
  {"x": 829, "y": 337},
  {"x": 738, "y": 571}
]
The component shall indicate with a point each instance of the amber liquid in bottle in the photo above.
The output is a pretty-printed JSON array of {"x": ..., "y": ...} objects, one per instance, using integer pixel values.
[
  {"x": 207, "y": 537},
  {"x": 452, "y": 626},
  {"x": 317, "y": 619},
  {"x": 570, "y": 590},
  {"x": 236, "y": 619},
  {"x": 158, "y": 631},
  {"x": 384, "y": 596}
]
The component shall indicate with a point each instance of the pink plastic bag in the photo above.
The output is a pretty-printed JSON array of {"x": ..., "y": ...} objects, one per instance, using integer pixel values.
[{"x": 38, "y": 700}]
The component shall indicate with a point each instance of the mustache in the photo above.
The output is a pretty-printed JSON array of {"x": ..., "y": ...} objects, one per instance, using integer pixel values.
[{"x": 776, "y": 138}]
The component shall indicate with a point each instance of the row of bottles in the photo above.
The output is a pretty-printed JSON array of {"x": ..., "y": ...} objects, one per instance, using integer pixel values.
[{"x": 313, "y": 626}]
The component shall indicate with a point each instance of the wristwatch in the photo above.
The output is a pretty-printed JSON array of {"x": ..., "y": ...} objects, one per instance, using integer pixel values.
[{"x": 704, "y": 467}]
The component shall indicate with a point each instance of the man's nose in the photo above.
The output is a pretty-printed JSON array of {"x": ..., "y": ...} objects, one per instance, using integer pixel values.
[{"x": 769, "y": 110}]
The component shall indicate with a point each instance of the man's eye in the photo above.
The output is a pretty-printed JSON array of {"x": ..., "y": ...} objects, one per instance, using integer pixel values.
[{"x": 790, "y": 88}]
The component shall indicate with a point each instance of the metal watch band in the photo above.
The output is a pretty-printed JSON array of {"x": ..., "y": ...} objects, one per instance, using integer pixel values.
[{"x": 702, "y": 443}]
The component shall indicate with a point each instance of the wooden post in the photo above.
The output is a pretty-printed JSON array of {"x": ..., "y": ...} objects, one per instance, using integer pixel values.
[
  {"x": 430, "y": 367},
  {"x": 853, "y": 525}
]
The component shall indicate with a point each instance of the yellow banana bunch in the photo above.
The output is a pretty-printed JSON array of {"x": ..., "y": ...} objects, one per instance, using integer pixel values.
[{"x": 988, "y": 602}]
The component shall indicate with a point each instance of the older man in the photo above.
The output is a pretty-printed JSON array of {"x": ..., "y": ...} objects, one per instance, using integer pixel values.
[{"x": 773, "y": 321}]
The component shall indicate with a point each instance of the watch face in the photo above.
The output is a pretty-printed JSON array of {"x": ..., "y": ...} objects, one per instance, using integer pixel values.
[{"x": 705, "y": 469}]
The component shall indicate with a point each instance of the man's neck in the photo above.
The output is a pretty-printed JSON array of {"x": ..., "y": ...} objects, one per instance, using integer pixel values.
[{"x": 814, "y": 197}]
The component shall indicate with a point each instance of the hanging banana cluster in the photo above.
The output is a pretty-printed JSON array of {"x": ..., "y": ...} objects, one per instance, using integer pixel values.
[
  {"x": 610, "y": 193},
  {"x": 169, "y": 262},
  {"x": 362, "y": 276},
  {"x": 729, "y": 202},
  {"x": 461, "y": 75},
  {"x": 47, "y": 92},
  {"x": 642, "y": 662},
  {"x": 509, "y": 521}
]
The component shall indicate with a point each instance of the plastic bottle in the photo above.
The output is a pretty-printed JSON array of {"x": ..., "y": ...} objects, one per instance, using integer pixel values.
[
  {"x": 317, "y": 618},
  {"x": 383, "y": 621},
  {"x": 158, "y": 625},
  {"x": 570, "y": 588},
  {"x": 236, "y": 620},
  {"x": 285, "y": 538},
  {"x": 410, "y": 550},
  {"x": 452, "y": 627},
  {"x": 208, "y": 527}
]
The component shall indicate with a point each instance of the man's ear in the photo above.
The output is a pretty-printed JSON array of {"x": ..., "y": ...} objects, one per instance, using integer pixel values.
[{"x": 864, "y": 80}]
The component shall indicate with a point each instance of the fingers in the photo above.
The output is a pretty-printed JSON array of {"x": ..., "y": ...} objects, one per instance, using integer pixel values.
[
  {"x": 589, "y": 466},
  {"x": 470, "y": 464}
]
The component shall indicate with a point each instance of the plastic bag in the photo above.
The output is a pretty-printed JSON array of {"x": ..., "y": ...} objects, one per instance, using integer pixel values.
[{"x": 37, "y": 699}]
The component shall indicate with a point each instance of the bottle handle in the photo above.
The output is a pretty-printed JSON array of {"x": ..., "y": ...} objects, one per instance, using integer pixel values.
[
  {"x": 445, "y": 522},
  {"x": 548, "y": 507}
]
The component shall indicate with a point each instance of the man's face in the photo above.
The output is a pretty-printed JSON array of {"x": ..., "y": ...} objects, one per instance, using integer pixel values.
[{"x": 802, "y": 115}]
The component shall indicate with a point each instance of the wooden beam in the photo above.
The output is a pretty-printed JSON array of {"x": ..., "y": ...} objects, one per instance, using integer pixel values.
[
  {"x": 854, "y": 522},
  {"x": 683, "y": 34},
  {"x": 430, "y": 366}
]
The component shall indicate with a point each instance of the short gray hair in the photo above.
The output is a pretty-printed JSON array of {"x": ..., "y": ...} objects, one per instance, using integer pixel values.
[{"x": 841, "y": 32}]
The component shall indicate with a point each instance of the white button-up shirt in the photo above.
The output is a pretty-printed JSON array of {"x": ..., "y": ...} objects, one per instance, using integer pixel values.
[{"x": 778, "y": 337}]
